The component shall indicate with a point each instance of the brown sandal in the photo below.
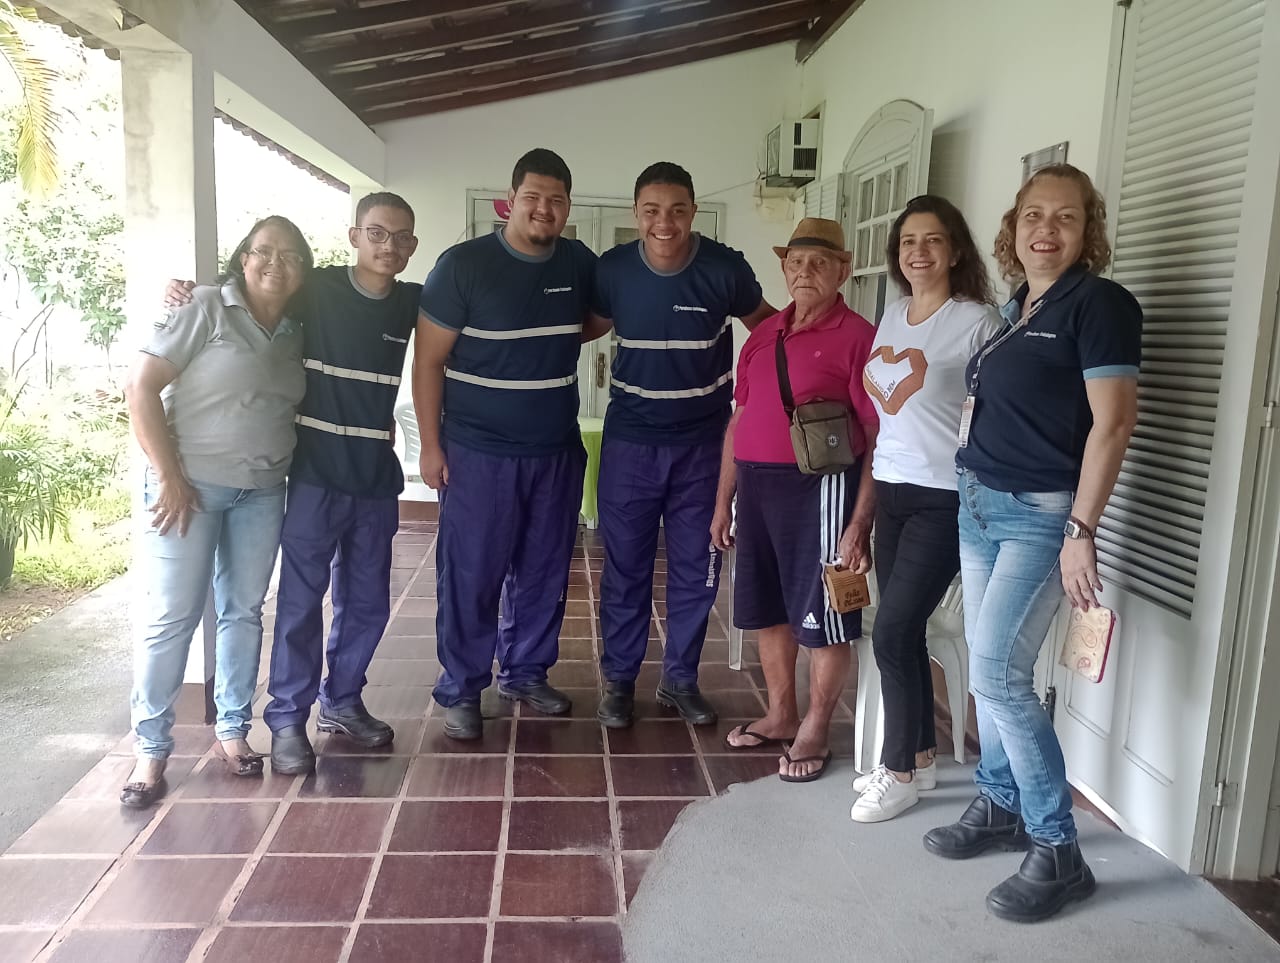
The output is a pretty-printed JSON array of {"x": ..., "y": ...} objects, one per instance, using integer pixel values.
[{"x": 250, "y": 765}]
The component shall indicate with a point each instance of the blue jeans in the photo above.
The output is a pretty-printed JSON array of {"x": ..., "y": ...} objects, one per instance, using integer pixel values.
[
  {"x": 233, "y": 538},
  {"x": 1009, "y": 545}
]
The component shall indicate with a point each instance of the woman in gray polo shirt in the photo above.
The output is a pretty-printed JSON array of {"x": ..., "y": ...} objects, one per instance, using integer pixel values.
[{"x": 212, "y": 400}]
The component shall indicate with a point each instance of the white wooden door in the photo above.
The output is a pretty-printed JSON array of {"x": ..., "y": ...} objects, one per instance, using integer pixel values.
[
  {"x": 886, "y": 166},
  {"x": 1190, "y": 202}
]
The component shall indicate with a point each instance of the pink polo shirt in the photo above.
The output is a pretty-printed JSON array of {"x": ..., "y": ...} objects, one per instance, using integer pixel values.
[{"x": 824, "y": 361}]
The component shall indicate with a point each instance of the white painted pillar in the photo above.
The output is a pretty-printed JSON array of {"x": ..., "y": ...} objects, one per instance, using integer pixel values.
[{"x": 170, "y": 219}]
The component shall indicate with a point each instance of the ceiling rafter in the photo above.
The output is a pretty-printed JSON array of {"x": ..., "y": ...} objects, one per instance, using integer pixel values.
[
  {"x": 388, "y": 59},
  {"x": 649, "y": 25},
  {"x": 569, "y": 55},
  {"x": 577, "y": 77}
]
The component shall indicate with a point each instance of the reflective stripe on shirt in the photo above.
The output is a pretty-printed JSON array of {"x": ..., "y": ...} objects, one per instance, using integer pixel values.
[
  {"x": 352, "y": 373},
  {"x": 702, "y": 392},
  {"x": 514, "y": 385},
  {"x": 544, "y": 332},
  {"x": 652, "y": 345},
  {"x": 348, "y": 430}
]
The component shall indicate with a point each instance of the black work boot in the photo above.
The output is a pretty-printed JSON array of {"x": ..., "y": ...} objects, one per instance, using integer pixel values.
[
  {"x": 1049, "y": 878},
  {"x": 618, "y": 707},
  {"x": 463, "y": 721},
  {"x": 687, "y": 700},
  {"x": 537, "y": 695},
  {"x": 291, "y": 751},
  {"x": 356, "y": 724},
  {"x": 984, "y": 825}
]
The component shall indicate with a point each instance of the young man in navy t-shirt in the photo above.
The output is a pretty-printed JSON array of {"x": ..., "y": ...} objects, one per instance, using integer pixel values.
[
  {"x": 495, "y": 388},
  {"x": 344, "y": 485},
  {"x": 671, "y": 297}
]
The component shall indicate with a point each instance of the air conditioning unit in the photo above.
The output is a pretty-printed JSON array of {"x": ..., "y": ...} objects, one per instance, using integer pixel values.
[{"x": 791, "y": 153}]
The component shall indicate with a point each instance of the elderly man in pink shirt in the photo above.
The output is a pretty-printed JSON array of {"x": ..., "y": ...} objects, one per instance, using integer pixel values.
[{"x": 790, "y": 523}]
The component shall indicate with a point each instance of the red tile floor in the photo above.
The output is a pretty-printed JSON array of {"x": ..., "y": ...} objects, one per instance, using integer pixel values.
[{"x": 526, "y": 845}]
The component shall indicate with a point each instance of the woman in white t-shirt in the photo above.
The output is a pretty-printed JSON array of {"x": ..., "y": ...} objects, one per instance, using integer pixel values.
[{"x": 915, "y": 377}]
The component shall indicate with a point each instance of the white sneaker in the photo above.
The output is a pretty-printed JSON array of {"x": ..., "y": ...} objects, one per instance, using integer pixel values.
[
  {"x": 926, "y": 778},
  {"x": 883, "y": 798}
]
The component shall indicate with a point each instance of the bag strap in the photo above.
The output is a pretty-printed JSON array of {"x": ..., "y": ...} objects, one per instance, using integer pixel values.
[{"x": 784, "y": 379}]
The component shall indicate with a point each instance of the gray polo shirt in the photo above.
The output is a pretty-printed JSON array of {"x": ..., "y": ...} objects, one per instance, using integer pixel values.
[{"x": 231, "y": 407}]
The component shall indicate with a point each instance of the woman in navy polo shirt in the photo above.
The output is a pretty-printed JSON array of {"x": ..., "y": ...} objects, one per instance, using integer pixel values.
[{"x": 1051, "y": 403}]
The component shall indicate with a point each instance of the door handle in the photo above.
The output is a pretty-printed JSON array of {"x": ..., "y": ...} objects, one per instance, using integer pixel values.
[{"x": 600, "y": 369}]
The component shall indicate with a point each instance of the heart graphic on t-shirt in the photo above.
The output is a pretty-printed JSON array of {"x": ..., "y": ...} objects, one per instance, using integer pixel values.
[{"x": 893, "y": 378}]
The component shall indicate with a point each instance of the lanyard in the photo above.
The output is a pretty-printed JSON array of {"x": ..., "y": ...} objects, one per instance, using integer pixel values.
[{"x": 1000, "y": 339}]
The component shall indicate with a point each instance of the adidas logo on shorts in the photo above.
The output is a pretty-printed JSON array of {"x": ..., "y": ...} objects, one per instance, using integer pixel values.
[{"x": 809, "y": 622}]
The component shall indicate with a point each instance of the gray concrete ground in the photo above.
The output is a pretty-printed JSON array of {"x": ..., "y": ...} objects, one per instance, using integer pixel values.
[
  {"x": 64, "y": 702},
  {"x": 776, "y": 872}
]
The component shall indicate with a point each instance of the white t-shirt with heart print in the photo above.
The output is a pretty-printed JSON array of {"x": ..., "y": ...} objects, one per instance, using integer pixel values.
[{"x": 915, "y": 378}]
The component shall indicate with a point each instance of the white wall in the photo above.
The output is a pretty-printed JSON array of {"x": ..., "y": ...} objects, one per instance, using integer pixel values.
[
  {"x": 1003, "y": 78},
  {"x": 710, "y": 117}
]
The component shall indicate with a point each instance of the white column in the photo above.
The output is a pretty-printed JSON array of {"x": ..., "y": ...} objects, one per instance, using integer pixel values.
[{"x": 170, "y": 218}]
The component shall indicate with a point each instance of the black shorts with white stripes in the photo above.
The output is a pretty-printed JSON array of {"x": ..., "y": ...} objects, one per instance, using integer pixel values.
[{"x": 788, "y": 525}]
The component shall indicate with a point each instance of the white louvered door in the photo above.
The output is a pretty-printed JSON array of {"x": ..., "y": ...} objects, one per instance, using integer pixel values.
[{"x": 1181, "y": 172}]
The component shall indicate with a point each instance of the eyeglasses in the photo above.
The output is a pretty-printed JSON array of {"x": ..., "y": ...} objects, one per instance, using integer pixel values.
[
  {"x": 290, "y": 259},
  {"x": 379, "y": 235}
]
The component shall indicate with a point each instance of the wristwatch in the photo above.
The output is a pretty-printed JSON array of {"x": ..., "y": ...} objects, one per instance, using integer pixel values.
[{"x": 1076, "y": 529}]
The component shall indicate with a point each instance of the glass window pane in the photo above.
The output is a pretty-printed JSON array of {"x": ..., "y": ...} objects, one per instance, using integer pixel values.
[
  {"x": 900, "y": 196},
  {"x": 570, "y": 230},
  {"x": 884, "y": 192},
  {"x": 864, "y": 242},
  {"x": 865, "y": 192},
  {"x": 879, "y": 237},
  {"x": 624, "y": 235}
]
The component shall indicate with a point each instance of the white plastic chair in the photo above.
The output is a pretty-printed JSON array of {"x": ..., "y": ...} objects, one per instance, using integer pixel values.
[
  {"x": 407, "y": 421},
  {"x": 944, "y": 635}
]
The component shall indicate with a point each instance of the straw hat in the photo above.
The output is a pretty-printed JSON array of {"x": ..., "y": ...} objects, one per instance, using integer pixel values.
[{"x": 817, "y": 232}]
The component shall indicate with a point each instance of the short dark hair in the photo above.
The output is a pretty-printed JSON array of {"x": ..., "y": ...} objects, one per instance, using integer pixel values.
[
  {"x": 542, "y": 163},
  {"x": 381, "y": 199},
  {"x": 968, "y": 278},
  {"x": 235, "y": 269},
  {"x": 664, "y": 172}
]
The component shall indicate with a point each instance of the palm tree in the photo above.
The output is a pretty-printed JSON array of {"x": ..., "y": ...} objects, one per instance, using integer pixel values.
[{"x": 38, "y": 119}]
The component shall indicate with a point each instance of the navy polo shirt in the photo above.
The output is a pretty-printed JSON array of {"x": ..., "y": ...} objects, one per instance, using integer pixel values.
[
  {"x": 511, "y": 381},
  {"x": 1031, "y": 414},
  {"x": 354, "y": 345},
  {"x": 673, "y": 374}
]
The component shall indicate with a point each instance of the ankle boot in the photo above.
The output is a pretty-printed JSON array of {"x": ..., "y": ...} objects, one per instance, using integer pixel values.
[
  {"x": 1050, "y": 877},
  {"x": 618, "y": 707},
  {"x": 984, "y": 825}
]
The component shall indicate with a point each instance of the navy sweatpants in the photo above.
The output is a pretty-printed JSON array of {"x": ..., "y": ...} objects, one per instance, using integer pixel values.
[
  {"x": 640, "y": 486},
  {"x": 335, "y": 540},
  {"x": 507, "y": 530}
]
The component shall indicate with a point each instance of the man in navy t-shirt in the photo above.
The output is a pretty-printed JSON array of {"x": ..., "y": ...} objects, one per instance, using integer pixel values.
[
  {"x": 671, "y": 297},
  {"x": 495, "y": 388},
  {"x": 344, "y": 486}
]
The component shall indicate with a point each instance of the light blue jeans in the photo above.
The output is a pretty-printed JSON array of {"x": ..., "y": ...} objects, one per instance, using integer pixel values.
[
  {"x": 1009, "y": 545},
  {"x": 233, "y": 538}
]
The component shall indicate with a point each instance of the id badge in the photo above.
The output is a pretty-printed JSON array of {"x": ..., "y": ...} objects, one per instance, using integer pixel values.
[{"x": 966, "y": 419}]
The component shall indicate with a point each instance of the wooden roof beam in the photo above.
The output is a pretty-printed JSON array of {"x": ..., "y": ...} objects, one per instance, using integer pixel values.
[
  {"x": 474, "y": 32},
  {"x": 298, "y": 31},
  {"x": 827, "y": 25},
  {"x": 659, "y": 27},
  {"x": 575, "y": 78}
]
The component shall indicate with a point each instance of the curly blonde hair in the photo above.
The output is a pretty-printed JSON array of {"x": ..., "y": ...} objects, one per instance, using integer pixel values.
[{"x": 1096, "y": 253}]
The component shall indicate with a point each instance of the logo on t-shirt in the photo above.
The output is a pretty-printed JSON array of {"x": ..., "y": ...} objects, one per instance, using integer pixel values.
[
  {"x": 688, "y": 307},
  {"x": 389, "y": 337},
  {"x": 557, "y": 290},
  {"x": 893, "y": 378}
]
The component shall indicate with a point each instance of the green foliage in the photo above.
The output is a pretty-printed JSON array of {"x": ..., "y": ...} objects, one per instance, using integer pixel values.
[
  {"x": 96, "y": 548},
  {"x": 50, "y": 465},
  {"x": 35, "y": 158},
  {"x": 70, "y": 249}
]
